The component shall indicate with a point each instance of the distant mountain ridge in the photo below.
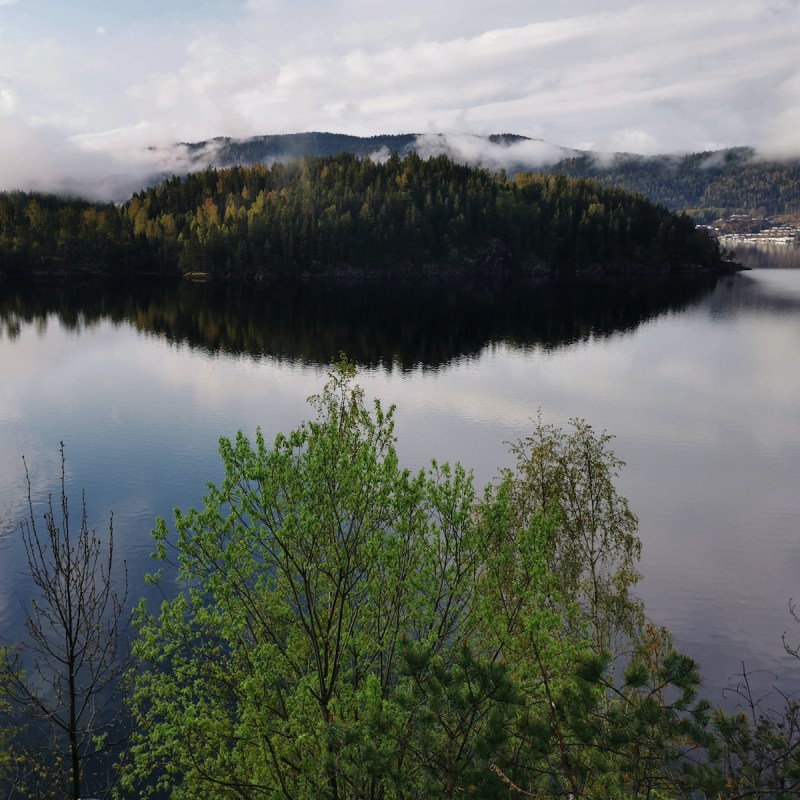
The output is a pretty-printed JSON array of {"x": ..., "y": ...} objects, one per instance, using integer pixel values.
[
  {"x": 226, "y": 151},
  {"x": 706, "y": 185}
]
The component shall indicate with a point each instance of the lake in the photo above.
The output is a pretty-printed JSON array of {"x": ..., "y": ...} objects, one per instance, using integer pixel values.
[
  {"x": 699, "y": 380},
  {"x": 768, "y": 254}
]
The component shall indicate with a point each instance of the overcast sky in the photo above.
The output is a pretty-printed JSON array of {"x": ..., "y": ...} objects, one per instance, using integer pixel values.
[{"x": 85, "y": 87}]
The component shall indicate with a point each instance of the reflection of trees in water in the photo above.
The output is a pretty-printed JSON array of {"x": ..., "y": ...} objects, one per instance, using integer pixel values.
[{"x": 401, "y": 324}]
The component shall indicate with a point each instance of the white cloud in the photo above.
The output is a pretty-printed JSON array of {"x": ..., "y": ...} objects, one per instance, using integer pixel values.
[
  {"x": 780, "y": 137},
  {"x": 39, "y": 157},
  {"x": 619, "y": 75},
  {"x": 8, "y": 100},
  {"x": 479, "y": 151},
  {"x": 632, "y": 141}
]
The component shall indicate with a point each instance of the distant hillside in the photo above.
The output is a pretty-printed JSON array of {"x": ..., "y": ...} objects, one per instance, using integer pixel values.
[
  {"x": 507, "y": 150},
  {"x": 706, "y": 185},
  {"x": 224, "y": 151}
]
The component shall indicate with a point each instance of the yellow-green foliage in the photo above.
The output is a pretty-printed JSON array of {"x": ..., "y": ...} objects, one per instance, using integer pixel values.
[
  {"x": 323, "y": 213},
  {"x": 347, "y": 629}
]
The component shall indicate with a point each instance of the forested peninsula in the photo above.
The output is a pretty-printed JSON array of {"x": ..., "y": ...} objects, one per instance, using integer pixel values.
[{"x": 349, "y": 216}]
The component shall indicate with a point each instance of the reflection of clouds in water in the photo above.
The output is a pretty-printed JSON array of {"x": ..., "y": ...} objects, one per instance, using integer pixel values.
[
  {"x": 706, "y": 414},
  {"x": 503, "y": 383},
  {"x": 772, "y": 290},
  {"x": 471, "y": 391}
]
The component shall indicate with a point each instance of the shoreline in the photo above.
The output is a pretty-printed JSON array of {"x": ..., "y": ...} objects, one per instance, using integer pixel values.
[{"x": 539, "y": 274}]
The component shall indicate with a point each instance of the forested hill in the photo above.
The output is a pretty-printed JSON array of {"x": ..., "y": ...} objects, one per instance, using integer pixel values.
[
  {"x": 227, "y": 152},
  {"x": 338, "y": 214},
  {"x": 705, "y": 185},
  {"x": 224, "y": 151}
]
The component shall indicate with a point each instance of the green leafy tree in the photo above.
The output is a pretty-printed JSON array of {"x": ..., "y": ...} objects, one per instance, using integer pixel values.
[
  {"x": 655, "y": 730},
  {"x": 460, "y": 712},
  {"x": 275, "y": 669},
  {"x": 523, "y": 615},
  {"x": 346, "y": 629},
  {"x": 6, "y": 731},
  {"x": 569, "y": 477}
]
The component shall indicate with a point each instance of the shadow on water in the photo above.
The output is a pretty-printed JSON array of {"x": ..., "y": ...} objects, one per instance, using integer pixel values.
[{"x": 404, "y": 326}]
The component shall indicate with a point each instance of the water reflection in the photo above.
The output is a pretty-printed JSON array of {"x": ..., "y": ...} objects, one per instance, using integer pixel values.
[
  {"x": 770, "y": 292},
  {"x": 404, "y": 326},
  {"x": 766, "y": 255},
  {"x": 698, "y": 381}
]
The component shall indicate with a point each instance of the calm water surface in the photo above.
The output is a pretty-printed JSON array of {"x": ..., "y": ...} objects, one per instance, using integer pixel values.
[
  {"x": 765, "y": 254},
  {"x": 699, "y": 382}
]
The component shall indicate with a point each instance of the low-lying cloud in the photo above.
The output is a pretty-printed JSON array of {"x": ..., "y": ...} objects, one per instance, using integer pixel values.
[
  {"x": 508, "y": 154},
  {"x": 619, "y": 76},
  {"x": 104, "y": 168}
]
